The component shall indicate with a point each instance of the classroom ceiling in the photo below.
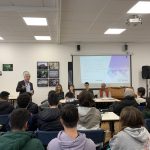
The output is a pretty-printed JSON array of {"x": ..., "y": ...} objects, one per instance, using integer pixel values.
[{"x": 71, "y": 21}]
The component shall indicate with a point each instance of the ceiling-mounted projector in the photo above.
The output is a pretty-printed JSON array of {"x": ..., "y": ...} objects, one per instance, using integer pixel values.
[{"x": 134, "y": 20}]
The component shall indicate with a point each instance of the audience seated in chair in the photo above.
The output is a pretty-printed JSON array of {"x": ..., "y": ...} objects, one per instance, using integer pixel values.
[
  {"x": 104, "y": 92},
  {"x": 146, "y": 111},
  {"x": 70, "y": 138},
  {"x": 19, "y": 139},
  {"x": 49, "y": 119},
  {"x": 140, "y": 93},
  {"x": 133, "y": 136},
  {"x": 89, "y": 116},
  {"x": 59, "y": 91},
  {"x": 24, "y": 101},
  {"x": 129, "y": 100},
  {"x": 5, "y": 106}
]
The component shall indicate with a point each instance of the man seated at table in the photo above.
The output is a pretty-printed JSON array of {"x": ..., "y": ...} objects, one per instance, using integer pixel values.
[
  {"x": 18, "y": 139},
  {"x": 104, "y": 92},
  {"x": 87, "y": 88},
  {"x": 5, "y": 106},
  {"x": 70, "y": 138}
]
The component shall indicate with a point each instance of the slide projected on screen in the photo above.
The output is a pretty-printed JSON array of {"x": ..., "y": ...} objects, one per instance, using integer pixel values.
[{"x": 113, "y": 70}]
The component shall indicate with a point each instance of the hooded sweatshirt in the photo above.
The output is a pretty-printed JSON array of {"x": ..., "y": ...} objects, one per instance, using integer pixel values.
[
  {"x": 49, "y": 120},
  {"x": 19, "y": 141},
  {"x": 131, "y": 139},
  {"x": 64, "y": 142},
  {"x": 89, "y": 118}
]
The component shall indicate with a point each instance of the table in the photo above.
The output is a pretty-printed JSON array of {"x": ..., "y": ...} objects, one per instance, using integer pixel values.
[
  {"x": 106, "y": 100},
  {"x": 111, "y": 118},
  {"x": 97, "y": 100}
]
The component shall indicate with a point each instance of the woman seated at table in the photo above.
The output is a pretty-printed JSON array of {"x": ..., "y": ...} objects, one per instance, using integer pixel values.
[
  {"x": 140, "y": 93},
  {"x": 133, "y": 136},
  {"x": 104, "y": 92},
  {"x": 129, "y": 100},
  {"x": 89, "y": 116},
  {"x": 71, "y": 89},
  {"x": 59, "y": 91}
]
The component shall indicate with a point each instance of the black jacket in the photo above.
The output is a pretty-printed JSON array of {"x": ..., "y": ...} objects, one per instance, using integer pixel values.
[
  {"x": 49, "y": 120},
  {"x": 5, "y": 107},
  {"x": 60, "y": 95},
  {"x": 20, "y": 87},
  {"x": 127, "y": 101}
]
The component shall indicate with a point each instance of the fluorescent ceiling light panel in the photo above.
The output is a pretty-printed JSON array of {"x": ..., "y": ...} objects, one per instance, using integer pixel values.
[
  {"x": 114, "y": 31},
  {"x": 43, "y": 38},
  {"x": 35, "y": 21},
  {"x": 141, "y": 7},
  {"x": 1, "y": 38}
]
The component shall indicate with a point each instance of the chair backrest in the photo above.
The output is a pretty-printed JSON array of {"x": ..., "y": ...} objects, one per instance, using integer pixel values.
[
  {"x": 4, "y": 121},
  {"x": 46, "y": 136},
  {"x": 97, "y": 136},
  {"x": 147, "y": 124}
]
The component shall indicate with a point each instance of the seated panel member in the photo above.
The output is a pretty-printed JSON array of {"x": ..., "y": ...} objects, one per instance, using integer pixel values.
[
  {"x": 25, "y": 85},
  {"x": 59, "y": 91},
  {"x": 104, "y": 92},
  {"x": 87, "y": 88}
]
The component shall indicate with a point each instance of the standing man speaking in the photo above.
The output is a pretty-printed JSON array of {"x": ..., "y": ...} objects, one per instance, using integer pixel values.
[{"x": 25, "y": 85}]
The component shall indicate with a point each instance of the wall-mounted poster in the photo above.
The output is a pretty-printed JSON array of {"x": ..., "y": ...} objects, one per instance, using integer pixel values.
[
  {"x": 53, "y": 73},
  {"x": 53, "y": 82},
  {"x": 47, "y": 73},
  {"x": 53, "y": 65},
  {"x": 42, "y": 82},
  {"x": 7, "y": 67}
]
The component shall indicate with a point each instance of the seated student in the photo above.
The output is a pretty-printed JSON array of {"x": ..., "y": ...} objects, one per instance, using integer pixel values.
[
  {"x": 70, "y": 138},
  {"x": 24, "y": 101},
  {"x": 140, "y": 94},
  {"x": 49, "y": 119},
  {"x": 104, "y": 92},
  {"x": 87, "y": 88},
  {"x": 59, "y": 91},
  {"x": 5, "y": 106},
  {"x": 18, "y": 139},
  {"x": 133, "y": 136},
  {"x": 89, "y": 116},
  {"x": 71, "y": 89},
  {"x": 129, "y": 100},
  {"x": 146, "y": 111}
]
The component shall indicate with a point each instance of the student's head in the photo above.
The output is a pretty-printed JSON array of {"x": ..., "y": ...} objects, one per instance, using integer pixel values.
[
  {"x": 53, "y": 98},
  {"x": 69, "y": 95},
  {"x": 103, "y": 86},
  {"x": 129, "y": 92},
  {"x": 69, "y": 116},
  {"x": 19, "y": 119},
  {"x": 131, "y": 117},
  {"x": 86, "y": 99},
  {"x": 141, "y": 91},
  {"x": 86, "y": 85},
  {"x": 4, "y": 95},
  {"x": 71, "y": 87},
  {"x": 26, "y": 75},
  {"x": 23, "y": 100},
  {"x": 58, "y": 88}
]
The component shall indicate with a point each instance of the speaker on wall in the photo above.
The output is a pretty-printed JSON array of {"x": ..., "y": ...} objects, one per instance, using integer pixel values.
[
  {"x": 146, "y": 72},
  {"x": 78, "y": 47},
  {"x": 126, "y": 47}
]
